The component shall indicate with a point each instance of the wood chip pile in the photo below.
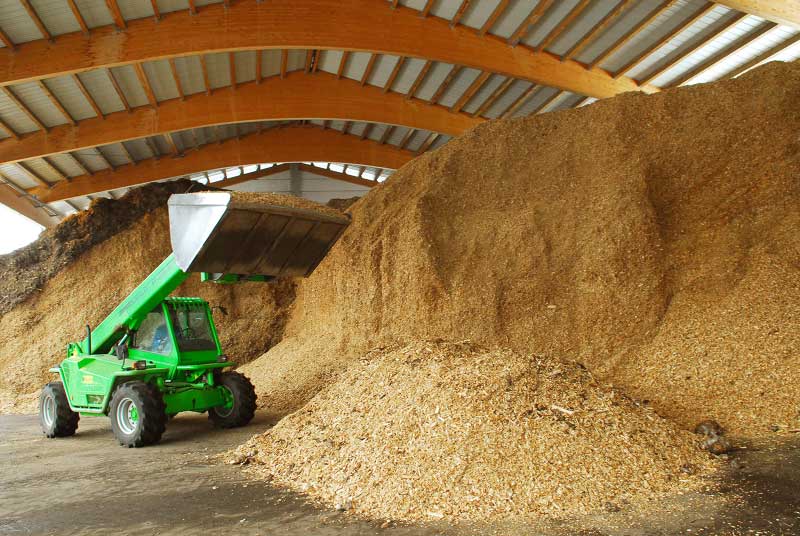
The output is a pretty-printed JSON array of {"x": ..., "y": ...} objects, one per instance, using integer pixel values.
[
  {"x": 652, "y": 238},
  {"x": 450, "y": 430}
]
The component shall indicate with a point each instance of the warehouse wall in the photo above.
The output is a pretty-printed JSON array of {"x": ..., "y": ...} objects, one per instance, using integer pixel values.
[{"x": 304, "y": 184}]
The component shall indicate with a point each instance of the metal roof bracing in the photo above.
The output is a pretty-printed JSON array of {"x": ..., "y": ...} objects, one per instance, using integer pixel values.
[{"x": 97, "y": 96}]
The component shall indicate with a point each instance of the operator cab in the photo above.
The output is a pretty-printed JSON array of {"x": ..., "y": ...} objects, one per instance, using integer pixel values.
[{"x": 179, "y": 329}]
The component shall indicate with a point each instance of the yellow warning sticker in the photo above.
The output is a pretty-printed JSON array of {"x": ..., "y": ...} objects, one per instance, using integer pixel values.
[{"x": 88, "y": 379}]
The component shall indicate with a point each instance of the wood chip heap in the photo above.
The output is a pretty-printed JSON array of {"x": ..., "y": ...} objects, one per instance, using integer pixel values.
[
  {"x": 653, "y": 238},
  {"x": 450, "y": 430}
]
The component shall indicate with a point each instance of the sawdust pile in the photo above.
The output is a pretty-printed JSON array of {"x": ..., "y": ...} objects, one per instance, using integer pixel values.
[
  {"x": 452, "y": 430},
  {"x": 27, "y": 269},
  {"x": 652, "y": 238},
  {"x": 34, "y": 334}
]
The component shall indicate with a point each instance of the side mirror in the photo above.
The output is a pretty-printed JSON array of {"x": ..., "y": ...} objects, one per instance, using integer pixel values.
[
  {"x": 122, "y": 351},
  {"x": 221, "y": 309}
]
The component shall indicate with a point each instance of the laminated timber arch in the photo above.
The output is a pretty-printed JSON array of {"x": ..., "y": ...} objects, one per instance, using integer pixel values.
[
  {"x": 780, "y": 11},
  {"x": 298, "y": 96},
  {"x": 283, "y": 144},
  {"x": 304, "y": 24}
]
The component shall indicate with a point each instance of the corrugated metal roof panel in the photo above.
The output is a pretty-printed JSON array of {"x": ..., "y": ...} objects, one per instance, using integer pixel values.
[
  {"x": 436, "y": 75},
  {"x": 480, "y": 97},
  {"x": 89, "y": 159},
  {"x": 17, "y": 25},
  {"x": 135, "y": 9},
  {"x": 479, "y": 13},
  {"x": 378, "y": 131},
  {"x": 138, "y": 149},
  {"x": 382, "y": 69},
  {"x": 458, "y": 86},
  {"x": 357, "y": 128},
  {"x": 417, "y": 140},
  {"x": 69, "y": 95},
  {"x": 329, "y": 60},
  {"x": 13, "y": 173},
  {"x": 552, "y": 18},
  {"x": 62, "y": 207},
  {"x": 707, "y": 49},
  {"x": 42, "y": 170},
  {"x": 739, "y": 57},
  {"x": 39, "y": 104},
  {"x": 159, "y": 74},
  {"x": 407, "y": 75},
  {"x": 190, "y": 74},
  {"x": 94, "y": 13},
  {"x": 790, "y": 54},
  {"x": 579, "y": 27},
  {"x": 245, "y": 66},
  {"x": 397, "y": 135},
  {"x": 356, "y": 65},
  {"x": 56, "y": 16},
  {"x": 296, "y": 60},
  {"x": 66, "y": 164},
  {"x": 507, "y": 99},
  {"x": 445, "y": 9},
  {"x": 115, "y": 154},
  {"x": 621, "y": 25},
  {"x": 101, "y": 89},
  {"x": 14, "y": 117},
  {"x": 515, "y": 13},
  {"x": 270, "y": 63},
  {"x": 672, "y": 18},
  {"x": 441, "y": 140},
  {"x": 129, "y": 83},
  {"x": 695, "y": 33},
  {"x": 218, "y": 70}
]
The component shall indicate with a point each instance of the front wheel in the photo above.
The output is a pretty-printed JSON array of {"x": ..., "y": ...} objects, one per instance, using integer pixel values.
[
  {"x": 241, "y": 401},
  {"x": 137, "y": 414},
  {"x": 55, "y": 415}
]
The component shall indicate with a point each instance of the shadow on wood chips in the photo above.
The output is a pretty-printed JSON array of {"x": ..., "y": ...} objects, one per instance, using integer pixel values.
[{"x": 27, "y": 269}]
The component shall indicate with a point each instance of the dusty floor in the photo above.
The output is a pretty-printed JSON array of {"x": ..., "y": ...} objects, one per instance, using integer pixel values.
[{"x": 90, "y": 485}]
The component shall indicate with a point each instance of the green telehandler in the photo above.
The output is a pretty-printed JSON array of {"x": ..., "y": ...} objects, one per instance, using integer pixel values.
[{"x": 155, "y": 356}]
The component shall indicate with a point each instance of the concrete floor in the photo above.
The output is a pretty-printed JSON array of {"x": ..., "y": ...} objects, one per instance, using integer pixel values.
[{"x": 89, "y": 485}]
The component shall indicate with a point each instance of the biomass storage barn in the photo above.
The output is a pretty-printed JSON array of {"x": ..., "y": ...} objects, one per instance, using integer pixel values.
[{"x": 558, "y": 291}]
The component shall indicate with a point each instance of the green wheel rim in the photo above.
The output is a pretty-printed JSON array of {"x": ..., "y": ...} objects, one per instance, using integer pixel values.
[{"x": 227, "y": 408}]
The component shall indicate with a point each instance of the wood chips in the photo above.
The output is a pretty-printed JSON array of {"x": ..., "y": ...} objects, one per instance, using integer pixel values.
[
  {"x": 450, "y": 430},
  {"x": 653, "y": 238}
]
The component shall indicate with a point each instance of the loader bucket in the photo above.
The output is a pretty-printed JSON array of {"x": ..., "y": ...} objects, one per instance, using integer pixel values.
[{"x": 224, "y": 232}]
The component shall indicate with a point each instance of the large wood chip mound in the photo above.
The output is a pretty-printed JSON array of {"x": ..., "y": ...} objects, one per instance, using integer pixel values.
[
  {"x": 437, "y": 430},
  {"x": 653, "y": 238}
]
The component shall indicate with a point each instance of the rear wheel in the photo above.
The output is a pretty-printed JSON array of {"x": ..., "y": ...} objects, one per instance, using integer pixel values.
[
  {"x": 55, "y": 415},
  {"x": 137, "y": 414},
  {"x": 241, "y": 401}
]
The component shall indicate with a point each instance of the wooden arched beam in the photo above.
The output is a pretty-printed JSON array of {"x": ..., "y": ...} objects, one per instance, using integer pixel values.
[
  {"x": 298, "y": 96},
  {"x": 354, "y": 25},
  {"x": 781, "y": 11},
  {"x": 285, "y": 144},
  {"x": 14, "y": 201}
]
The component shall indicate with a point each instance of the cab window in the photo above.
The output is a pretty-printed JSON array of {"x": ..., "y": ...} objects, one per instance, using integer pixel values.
[
  {"x": 153, "y": 335},
  {"x": 192, "y": 328}
]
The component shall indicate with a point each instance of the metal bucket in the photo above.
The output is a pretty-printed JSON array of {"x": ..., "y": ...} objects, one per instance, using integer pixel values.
[{"x": 215, "y": 232}]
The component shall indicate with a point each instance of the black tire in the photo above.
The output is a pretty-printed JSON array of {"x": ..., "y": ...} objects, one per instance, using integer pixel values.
[
  {"x": 55, "y": 415},
  {"x": 244, "y": 401},
  {"x": 145, "y": 426}
]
